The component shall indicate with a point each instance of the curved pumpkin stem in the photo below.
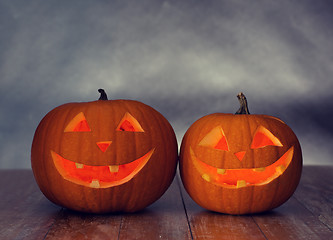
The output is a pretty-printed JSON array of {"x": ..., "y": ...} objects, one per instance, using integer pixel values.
[
  {"x": 103, "y": 94},
  {"x": 243, "y": 109}
]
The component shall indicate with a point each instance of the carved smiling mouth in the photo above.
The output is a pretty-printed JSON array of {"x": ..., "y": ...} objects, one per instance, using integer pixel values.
[
  {"x": 99, "y": 176},
  {"x": 237, "y": 178}
]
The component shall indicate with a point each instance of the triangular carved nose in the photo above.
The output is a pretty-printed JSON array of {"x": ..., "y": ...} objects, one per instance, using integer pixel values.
[
  {"x": 104, "y": 145},
  {"x": 240, "y": 155}
]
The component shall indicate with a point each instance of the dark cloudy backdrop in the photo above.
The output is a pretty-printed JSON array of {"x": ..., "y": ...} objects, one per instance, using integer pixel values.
[{"x": 185, "y": 58}]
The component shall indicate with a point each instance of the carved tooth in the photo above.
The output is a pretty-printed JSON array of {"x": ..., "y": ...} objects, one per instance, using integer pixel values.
[
  {"x": 221, "y": 171},
  {"x": 280, "y": 169},
  {"x": 206, "y": 177},
  {"x": 114, "y": 168},
  {"x": 261, "y": 169},
  {"x": 79, "y": 165},
  {"x": 241, "y": 183},
  {"x": 94, "y": 184}
]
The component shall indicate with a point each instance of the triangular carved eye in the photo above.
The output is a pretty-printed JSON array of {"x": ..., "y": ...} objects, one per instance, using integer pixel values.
[
  {"x": 78, "y": 124},
  {"x": 263, "y": 137},
  {"x": 215, "y": 139},
  {"x": 130, "y": 124}
]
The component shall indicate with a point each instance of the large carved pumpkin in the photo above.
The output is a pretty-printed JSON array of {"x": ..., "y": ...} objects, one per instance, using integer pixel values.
[
  {"x": 104, "y": 156},
  {"x": 240, "y": 163}
]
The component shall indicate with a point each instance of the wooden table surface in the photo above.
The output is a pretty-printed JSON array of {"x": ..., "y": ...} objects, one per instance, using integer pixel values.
[{"x": 26, "y": 214}]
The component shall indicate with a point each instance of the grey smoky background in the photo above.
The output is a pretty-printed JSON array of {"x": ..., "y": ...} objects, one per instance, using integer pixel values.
[{"x": 184, "y": 58}]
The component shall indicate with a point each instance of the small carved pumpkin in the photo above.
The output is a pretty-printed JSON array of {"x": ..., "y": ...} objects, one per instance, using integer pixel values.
[
  {"x": 104, "y": 156},
  {"x": 239, "y": 164}
]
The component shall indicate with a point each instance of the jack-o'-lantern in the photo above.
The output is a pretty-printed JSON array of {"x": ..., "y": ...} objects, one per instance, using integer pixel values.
[
  {"x": 240, "y": 163},
  {"x": 104, "y": 156}
]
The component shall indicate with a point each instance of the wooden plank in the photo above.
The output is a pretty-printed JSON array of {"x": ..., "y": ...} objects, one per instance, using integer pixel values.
[
  {"x": 210, "y": 225},
  {"x": 25, "y": 213},
  {"x": 292, "y": 221},
  {"x": 316, "y": 192},
  {"x": 75, "y": 225},
  {"x": 165, "y": 219}
]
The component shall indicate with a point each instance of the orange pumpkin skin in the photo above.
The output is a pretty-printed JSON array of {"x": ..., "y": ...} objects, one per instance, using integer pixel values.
[
  {"x": 93, "y": 157},
  {"x": 242, "y": 173}
]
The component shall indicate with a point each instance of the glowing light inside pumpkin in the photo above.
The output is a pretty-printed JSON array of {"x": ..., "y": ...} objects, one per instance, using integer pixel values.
[
  {"x": 236, "y": 178},
  {"x": 78, "y": 124},
  {"x": 126, "y": 126},
  {"x": 104, "y": 145},
  {"x": 216, "y": 139},
  {"x": 222, "y": 144},
  {"x": 99, "y": 176},
  {"x": 240, "y": 155},
  {"x": 130, "y": 124},
  {"x": 263, "y": 137}
]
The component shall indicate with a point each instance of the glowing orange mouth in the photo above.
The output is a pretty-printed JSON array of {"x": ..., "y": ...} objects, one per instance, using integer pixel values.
[
  {"x": 237, "y": 178},
  {"x": 99, "y": 176}
]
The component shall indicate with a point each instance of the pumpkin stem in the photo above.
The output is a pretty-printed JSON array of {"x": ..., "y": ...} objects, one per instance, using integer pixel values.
[
  {"x": 103, "y": 94},
  {"x": 243, "y": 109}
]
